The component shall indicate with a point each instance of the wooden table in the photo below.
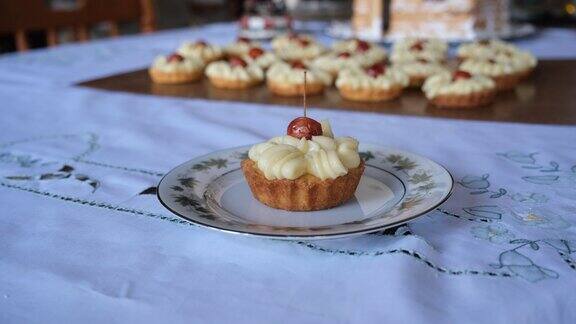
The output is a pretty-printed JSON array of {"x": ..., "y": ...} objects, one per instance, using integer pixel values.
[{"x": 548, "y": 97}]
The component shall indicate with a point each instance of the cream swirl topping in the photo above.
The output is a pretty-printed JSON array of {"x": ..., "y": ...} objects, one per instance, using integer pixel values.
[
  {"x": 442, "y": 84},
  {"x": 223, "y": 69},
  {"x": 286, "y": 157},
  {"x": 241, "y": 47},
  {"x": 335, "y": 62},
  {"x": 484, "y": 48},
  {"x": 283, "y": 72},
  {"x": 407, "y": 55},
  {"x": 206, "y": 52},
  {"x": 264, "y": 61},
  {"x": 428, "y": 44},
  {"x": 365, "y": 57},
  {"x": 421, "y": 69},
  {"x": 491, "y": 68},
  {"x": 284, "y": 40},
  {"x": 188, "y": 64},
  {"x": 520, "y": 60},
  {"x": 357, "y": 78}
]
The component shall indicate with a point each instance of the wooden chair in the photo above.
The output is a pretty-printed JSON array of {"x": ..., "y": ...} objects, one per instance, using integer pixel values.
[{"x": 17, "y": 17}]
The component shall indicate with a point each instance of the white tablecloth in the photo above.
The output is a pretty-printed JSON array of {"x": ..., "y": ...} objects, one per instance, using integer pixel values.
[{"x": 81, "y": 242}]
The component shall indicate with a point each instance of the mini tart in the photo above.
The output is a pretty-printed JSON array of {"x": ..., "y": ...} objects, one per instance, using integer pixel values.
[
  {"x": 305, "y": 193},
  {"x": 296, "y": 47},
  {"x": 483, "y": 49},
  {"x": 334, "y": 62},
  {"x": 225, "y": 76},
  {"x": 365, "y": 53},
  {"x": 285, "y": 80},
  {"x": 208, "y": 53},
  {"x": 411, "y": 55},
  {"x": 264, "y": 61},
  {"x": 240, "y": 47},
  {"x": 419, "y": 71},
  {"x": 522, "y": 61},
  {"x": 427, "y": 44},
  {"x": 504, "y": 74},
  {"x": 288, "y": 39},
  {"x": 165, "y": 71},
  {"x": 445, "y": 91},
  {"x": 358, "y": 85}
]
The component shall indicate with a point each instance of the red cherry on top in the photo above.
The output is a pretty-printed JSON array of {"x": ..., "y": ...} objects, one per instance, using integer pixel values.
[
  {"x": 375, "y": 70},
  {"x": 362, "y": 46},
  {"x": 418, "y": 46},
  {"x": 255, "y": 52},
  {"x": 243, "y": 40},
  {"x": 344, "y": 55},
  {"x": 303, "y": 42},
  {"x": 175, "y": 58},
  {"x": 298, "y": 65},
  {"x": 236, "y": 61},
  {"x": 459, "y": 74},
  {"x": 304, "y": 127}
]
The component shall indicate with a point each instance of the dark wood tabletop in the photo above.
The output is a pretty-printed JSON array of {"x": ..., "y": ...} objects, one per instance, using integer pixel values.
[{"x": 548, "y": 97}]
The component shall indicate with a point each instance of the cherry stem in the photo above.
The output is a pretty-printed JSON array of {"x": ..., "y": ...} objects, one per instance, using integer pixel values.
[{"x": 304, "y": 95}]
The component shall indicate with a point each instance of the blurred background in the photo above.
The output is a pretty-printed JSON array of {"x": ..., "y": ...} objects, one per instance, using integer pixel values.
[{"x": 169, "y": 14}]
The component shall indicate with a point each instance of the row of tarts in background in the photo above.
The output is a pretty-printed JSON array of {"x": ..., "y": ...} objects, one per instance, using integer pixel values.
[{"x": 361, "y": 71}]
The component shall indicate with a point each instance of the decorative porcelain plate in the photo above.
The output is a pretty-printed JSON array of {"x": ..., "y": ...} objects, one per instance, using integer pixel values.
[{"x": 397, "y": 186}]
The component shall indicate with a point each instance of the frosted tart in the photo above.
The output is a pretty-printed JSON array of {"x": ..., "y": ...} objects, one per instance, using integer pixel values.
[
  {"x": 505, "y": 75},
  {"x": 365, "y": 53},
  {"x": 459, "y": 89},
  {"x": 374, "y": 83},
  {"x": 258, "y": 56},
  {"x": 202, "y": 50},
  {"x": 427, "y": 44},
  {"x": 485, "y": 48},
  {"x": 240, "y": 47},
  {"x": 335, "y": 62},
  {"x": 414, "y": 53},
  {"x": 419, "y": 70},
  {"x": 287, "y": 79},
  {"x": 175, "y": 69},
  {"x": 234, "y": 73},
  {"x": 291, "y": 47},
  {"x": 308, "y": 169}
]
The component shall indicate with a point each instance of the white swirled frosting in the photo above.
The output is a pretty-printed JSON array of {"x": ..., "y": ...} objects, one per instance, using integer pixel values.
[
  {"x": 372, "y": 55},
  {"x": 240, "y": 47},
  {"x": 264, "y": 61},
  {"x": 421, "y": 69},
  {"x": 484, "y": 49},
  {"x": 356, "y": 78},
  {"x": 325, "y": 157},
  {"x": 442, "y": 84},
  {"x": 189, "y": 64},
  {"x": 428, "y": 44},
  {"x": 486, "y": 67},
  {"x": 224, "y": 70},
  {"x": 206, "y": 52},
  {"x": 284, "y": 73}
]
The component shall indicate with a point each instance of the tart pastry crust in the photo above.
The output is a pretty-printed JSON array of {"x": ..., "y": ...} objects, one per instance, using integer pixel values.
[
  {"x": 159, "y": 76},
  {"x": 372, "y": 94},
  {"x": 305, "y": 193},
  {"x": 467, "y": 101}
]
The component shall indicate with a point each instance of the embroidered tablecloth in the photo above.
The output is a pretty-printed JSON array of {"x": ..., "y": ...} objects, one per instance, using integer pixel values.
[{"x": 83, "y": 238}]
